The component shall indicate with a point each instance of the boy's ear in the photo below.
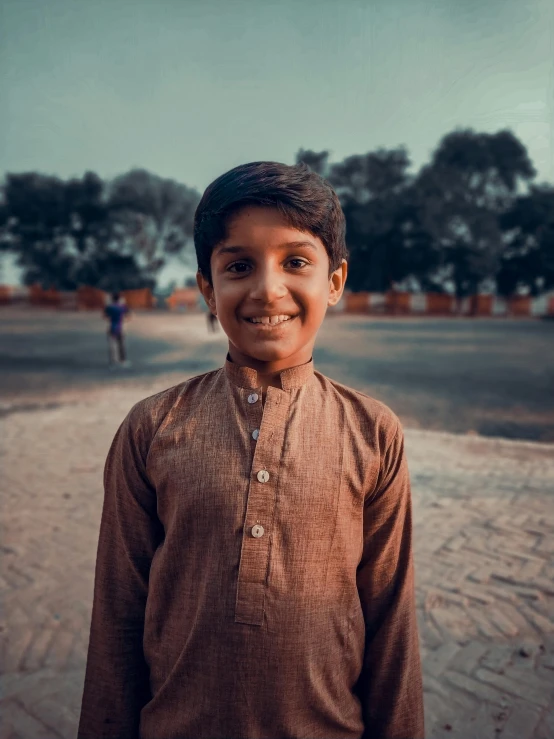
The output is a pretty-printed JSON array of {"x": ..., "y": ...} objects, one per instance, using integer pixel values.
[
  {"x": 207, "y": 291},
  {"x": 337, "y": 282}
]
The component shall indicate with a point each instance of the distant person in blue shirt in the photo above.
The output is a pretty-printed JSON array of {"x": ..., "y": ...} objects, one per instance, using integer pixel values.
[{"x": 115, "y": 312}]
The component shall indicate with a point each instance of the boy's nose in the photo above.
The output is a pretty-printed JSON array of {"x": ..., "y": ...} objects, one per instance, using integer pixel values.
[{"x": 268, "y": 287}]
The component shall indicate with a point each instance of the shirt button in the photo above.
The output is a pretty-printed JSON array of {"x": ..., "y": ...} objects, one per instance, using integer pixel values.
[
  {"x": 257, "y": 531},
  {"x": 255, "y": 434},
  {"x": 263, "y": 475},
  {"x": 253, "y": 397}
]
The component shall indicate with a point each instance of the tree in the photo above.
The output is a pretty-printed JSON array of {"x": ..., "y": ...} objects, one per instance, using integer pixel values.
[
  {"x": 38, "y": 224},
  {"x": 528, "y": 226},
  {"x": 471, "y": 180},
  {"x": 318, "y": 161},
  {"x": 156, "y": 215},
  {"x": 384, "y": 230},
  {"x": 63, "y": 234},
  {"x": 113, "y": 270},
  {"x": 377, "y": 174},
  {"x": 67, "y": 233},
  {"x": 385, "y": 235}
]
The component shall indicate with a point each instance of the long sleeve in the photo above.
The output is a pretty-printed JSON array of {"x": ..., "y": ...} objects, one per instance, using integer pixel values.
[
  {"x": 390, "y": 686},
  {"x": 117, "y": 678}
]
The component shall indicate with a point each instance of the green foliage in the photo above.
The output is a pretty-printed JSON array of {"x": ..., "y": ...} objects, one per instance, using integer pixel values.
[
  {"x": 385, "y": 236},
  {"x": 82, "y": 231},
  {"x": 53, "y": 226},
  {"x": 156, "y": 214},
  {"x": 316, "y": 160},
  {"x": 463, "y": 192},
  {"x": 528, "y": 226},
  {"x": 443, "y": 227},
  {"x": 362, "y": 177}
]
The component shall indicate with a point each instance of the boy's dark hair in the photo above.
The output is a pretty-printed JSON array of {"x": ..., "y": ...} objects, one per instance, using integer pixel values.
[
  {"x": 306, "y": 200},
  {"x": 115, "y": 297}
]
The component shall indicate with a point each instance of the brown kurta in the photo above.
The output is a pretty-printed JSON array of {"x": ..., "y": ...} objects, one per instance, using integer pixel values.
[{"x": 254, "y": 575}]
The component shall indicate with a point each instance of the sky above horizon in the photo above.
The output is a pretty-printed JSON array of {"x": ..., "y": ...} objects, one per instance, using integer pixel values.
[{"x": 191, "y": 88}]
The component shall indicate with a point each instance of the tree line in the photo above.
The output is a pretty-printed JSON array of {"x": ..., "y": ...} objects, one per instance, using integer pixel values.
[
  {"x": 472, "y": 217},
  {"x": 112, "y": 235}
]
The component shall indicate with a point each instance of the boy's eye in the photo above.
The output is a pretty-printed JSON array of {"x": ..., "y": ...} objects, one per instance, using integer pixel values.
[
  {"x": 239, "y": 267},
  {"x": 236, "y": 264}
]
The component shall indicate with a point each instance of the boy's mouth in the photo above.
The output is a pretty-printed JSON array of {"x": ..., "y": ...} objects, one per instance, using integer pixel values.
[
  {"x": 269, "y": 322},
  {"x": 269, "y": 319}
]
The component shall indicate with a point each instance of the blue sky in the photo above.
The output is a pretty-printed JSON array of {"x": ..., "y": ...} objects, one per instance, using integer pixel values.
[{"x": 188, "y": 89}]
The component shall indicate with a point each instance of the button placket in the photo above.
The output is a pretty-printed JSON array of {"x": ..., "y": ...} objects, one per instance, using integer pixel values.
[{"x": 260, "y": 509}]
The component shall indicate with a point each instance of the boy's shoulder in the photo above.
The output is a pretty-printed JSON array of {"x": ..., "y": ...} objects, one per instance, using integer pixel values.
[
  {"x": 359, "y": 406},
  {"x": 150, "y": 412}
]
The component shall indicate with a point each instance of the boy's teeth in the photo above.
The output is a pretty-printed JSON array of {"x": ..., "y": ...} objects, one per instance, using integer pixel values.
[{"x": 270, "y": 319}]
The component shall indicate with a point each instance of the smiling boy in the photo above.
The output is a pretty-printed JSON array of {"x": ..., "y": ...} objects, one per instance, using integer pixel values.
[{"x": 254, "y": 573}]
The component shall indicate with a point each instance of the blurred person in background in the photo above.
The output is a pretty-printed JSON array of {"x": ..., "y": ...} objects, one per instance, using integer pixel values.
[
  {"x": 115, "y": 312},
  {"x": 212, "y": 321}
]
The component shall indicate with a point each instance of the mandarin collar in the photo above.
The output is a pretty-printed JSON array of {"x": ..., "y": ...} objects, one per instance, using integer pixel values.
[{"x": 246, "y": 377}]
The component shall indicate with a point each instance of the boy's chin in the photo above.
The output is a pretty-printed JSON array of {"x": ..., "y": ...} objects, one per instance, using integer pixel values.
[{"x": 270, "y": 353}]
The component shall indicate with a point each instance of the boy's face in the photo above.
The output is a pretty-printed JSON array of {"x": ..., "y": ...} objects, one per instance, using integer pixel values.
[{"x": 265, "y": 268}]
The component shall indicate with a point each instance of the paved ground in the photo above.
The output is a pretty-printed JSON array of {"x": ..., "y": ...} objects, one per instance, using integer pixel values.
[{"x": 484, "y": 539}]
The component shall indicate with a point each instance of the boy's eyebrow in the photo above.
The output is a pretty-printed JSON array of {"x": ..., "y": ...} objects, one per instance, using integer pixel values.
[{"x": 236, "y": 249}]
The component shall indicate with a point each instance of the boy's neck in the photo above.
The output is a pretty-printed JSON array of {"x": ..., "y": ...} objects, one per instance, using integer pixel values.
[{"x": 269, "y": 374}]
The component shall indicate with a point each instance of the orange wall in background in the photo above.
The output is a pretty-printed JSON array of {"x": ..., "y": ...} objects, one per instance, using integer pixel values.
[
  {"x": 5, "y": 295},
  {"x": 141, "y": 299},
  {"x": 90, "y": 298},
  {"x": 439, "y": 304},
  {"x": 481, "y": 305},
  {"x": 189, "y": 298},
  {"x": 397, "y": 302},
  {"x": 38, "y": 296},
  {"x": 356, "y": 302},
  {"x": 520, "y": 306},
  {"x": 183, "y": 297}
]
